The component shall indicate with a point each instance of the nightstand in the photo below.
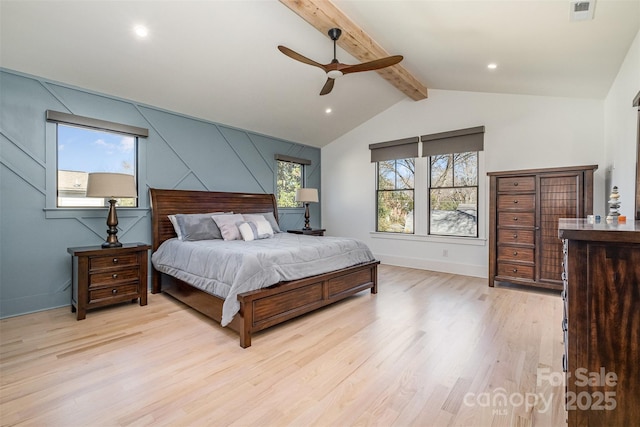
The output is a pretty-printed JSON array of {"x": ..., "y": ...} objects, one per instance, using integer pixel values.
[
  {"x": 108, "y": 276},
  {"x": 312, "y": 232}
]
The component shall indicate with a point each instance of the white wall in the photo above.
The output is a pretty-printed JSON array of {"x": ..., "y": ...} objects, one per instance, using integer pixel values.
[
  {"x": 522, "y": 132},
  {"x": 620, "y": 129}
]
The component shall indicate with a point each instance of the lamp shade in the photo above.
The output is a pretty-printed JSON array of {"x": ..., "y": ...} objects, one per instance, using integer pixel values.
[
  {"x": 111, "y": 185},
  {"x": 307, "y": 195}
]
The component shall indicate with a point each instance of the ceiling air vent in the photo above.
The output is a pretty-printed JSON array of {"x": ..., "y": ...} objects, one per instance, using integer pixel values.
[{"x": 581, "y": 10}]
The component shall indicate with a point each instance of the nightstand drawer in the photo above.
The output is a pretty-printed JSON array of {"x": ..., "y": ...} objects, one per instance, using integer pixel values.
[
  {"x": 112, "y": 261},
  {"x": 129, "y": 290},
  {"x": 115, "y": 276}
]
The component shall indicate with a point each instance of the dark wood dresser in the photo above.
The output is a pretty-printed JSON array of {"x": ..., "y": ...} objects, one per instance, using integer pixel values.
[
  {"x": 105, "y": 276},
  {"x": 602, "y": 322},
  {"x": 524, "y": 209}
]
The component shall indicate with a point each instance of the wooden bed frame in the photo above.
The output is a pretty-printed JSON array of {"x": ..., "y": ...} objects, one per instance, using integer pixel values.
[{"x": 261, "y": 308}]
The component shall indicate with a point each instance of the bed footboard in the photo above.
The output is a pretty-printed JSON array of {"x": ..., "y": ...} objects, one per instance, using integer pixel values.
[
  {"x": 267, "y": 307},
  {"x": 263, "y": 308}
]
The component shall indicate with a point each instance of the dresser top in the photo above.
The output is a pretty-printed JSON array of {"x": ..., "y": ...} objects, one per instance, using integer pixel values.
[{"x": 581, "y": 229}]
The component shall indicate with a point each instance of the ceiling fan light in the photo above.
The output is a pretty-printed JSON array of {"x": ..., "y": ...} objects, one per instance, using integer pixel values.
[{"x": 334, "y": 74}]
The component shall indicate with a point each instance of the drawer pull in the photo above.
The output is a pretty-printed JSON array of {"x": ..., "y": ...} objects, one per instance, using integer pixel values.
[
  {"x": 515, "y": 218},
  {"x": 515, "y": 184},
  {"x": 114, "y": 291},
  {"x": 515, "y": 235},
  {"x": 115, "y": 260},
  {"x": 515, "y": 253},
  {"x": 515, "y": 201},
  {"x": 515, "y": 270},
  {"x": 114, "y": 276}
]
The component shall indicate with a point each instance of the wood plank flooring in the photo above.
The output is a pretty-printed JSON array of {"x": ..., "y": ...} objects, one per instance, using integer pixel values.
[{"x": 430, "y": 349}]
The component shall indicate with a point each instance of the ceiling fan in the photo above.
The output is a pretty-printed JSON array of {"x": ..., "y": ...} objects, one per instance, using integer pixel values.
[{"x": 336, "y": 69}]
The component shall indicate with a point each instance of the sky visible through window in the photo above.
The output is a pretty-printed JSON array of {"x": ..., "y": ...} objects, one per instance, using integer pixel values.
[{"x": 88, "y": 150}]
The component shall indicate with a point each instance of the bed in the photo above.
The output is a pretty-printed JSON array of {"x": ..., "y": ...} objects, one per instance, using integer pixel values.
[{"x": 260, "y": 308}]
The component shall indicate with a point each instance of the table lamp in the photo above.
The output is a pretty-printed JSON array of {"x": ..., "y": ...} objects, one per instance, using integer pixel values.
[
  {"x": 306, "y": 195},
  {"x": 111, "y": 185}
]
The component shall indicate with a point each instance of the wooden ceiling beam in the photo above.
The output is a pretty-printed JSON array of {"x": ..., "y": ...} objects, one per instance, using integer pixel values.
[{"x": 324, "y": 15}]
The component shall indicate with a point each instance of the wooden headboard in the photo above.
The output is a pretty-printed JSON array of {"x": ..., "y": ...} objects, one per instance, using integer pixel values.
[{"x": 171, "y": 202}]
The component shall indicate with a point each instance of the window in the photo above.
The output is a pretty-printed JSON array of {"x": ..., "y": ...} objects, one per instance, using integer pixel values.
[
  {"x": 453, "y": 194},
  {"x": 86, "y": 145},
  {"x": 443, "y": 201},
  {"x": 395, "y": 195},
  {"x": 289, "y": 177},
  {"x": 82, "y": 151}
]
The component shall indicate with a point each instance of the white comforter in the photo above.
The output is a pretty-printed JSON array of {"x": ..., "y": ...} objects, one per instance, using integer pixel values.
[{"x": 229, "y": 268}]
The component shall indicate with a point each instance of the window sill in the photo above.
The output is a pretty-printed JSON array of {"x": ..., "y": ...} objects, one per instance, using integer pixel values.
[
  {"x": 63, "y": 213},
  {"x": 471, "y": 241}
]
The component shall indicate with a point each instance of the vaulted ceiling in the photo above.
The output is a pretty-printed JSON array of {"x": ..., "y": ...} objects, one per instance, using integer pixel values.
[{"x": 218, "y": 60}]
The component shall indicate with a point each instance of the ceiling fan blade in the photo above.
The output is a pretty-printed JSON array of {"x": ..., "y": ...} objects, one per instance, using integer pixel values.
[
  {"x": 295, "y": 55},
  {"x": 327, "y": 86},
  {"x": 373, "y": 65}
]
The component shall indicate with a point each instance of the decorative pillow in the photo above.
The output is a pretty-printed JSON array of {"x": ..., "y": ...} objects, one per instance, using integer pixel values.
[
  {"x": 193, "y": 227},
  {"x": 227, "y": 225},
  {"x": 248, "y": 231},
  {"x": 272, "y": 220},
  {"x": 263, "y": 228}
]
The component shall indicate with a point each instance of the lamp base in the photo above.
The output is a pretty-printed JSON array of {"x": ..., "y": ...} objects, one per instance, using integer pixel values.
[
  {"x": 306, "y": 217},
  {"x": 112, "y": 231}
]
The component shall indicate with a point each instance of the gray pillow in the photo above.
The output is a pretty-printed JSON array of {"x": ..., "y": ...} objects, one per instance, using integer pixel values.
[
  {"x": 198, "y": 226},
  {"x": 272, "y": 220}
]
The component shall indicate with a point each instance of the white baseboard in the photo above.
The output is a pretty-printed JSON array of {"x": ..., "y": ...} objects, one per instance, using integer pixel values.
[{"x": 443, "y": 267}]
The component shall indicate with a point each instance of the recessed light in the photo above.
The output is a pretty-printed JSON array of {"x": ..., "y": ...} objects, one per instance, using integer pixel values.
[
  {"x": 328, "y": 110},
  {"x": 141, "y": 31},
  {"x": 492, "y": 66}
]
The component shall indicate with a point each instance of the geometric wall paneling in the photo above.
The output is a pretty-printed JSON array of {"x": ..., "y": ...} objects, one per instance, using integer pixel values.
[
  {"x": 200, "y": 146},
  {"x": 97, "y": 106},
  {"x": 22, "y": 106},
  {"x": 256, "y": 166},
  {"x": 180, "y": 152},
  {"x": 14, "y": 155}
]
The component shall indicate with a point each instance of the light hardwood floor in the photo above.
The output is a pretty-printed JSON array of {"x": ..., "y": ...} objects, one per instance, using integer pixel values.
[{"x": 430, "y": 349}]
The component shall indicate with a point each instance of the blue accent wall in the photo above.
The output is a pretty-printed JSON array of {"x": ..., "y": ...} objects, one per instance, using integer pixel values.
[{"x": 181, "y": 152}]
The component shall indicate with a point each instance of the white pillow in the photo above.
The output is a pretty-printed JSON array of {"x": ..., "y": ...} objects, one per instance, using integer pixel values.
[
  {"x": 263, "y": 227},
  {"x": 227, "y": 225},
  {"x": 248, "y": 231}
]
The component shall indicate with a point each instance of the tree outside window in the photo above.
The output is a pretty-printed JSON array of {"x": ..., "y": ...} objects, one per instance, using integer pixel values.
[
  {"x": 395, "y": 195},
  {"x": 290, "y": 177},
  {"x": 453, "y": 194}
]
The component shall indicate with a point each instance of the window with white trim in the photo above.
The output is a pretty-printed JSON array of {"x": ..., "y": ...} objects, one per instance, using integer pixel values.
[
  {"x": 86, "y": 145},
  {"x": 453, "y": 194},
  {"x": 396, "y": 179},
  {"x": 449, "y": 183}
]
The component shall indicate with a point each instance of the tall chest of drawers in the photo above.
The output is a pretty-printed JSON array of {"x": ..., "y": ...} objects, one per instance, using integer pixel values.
[
  {"x": 108, "y": 276},
  {"x": 524, "y": 209}
]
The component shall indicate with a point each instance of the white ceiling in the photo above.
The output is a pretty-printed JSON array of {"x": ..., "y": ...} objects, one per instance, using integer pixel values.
[{"x": 218, "y": 60}]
